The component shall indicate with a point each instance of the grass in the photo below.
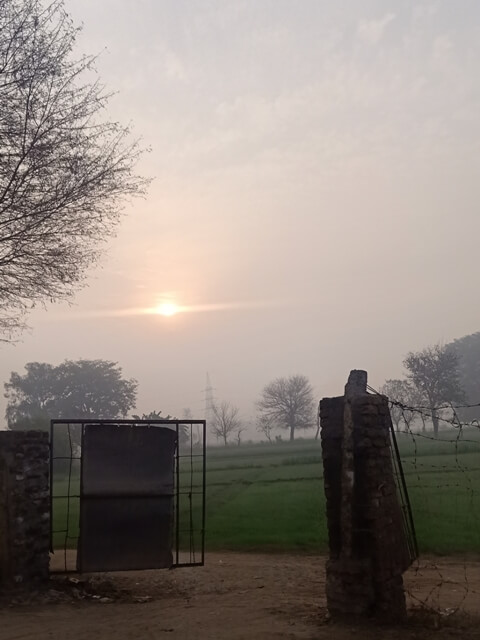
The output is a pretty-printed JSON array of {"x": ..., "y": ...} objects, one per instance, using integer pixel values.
[{"x": 270, "y": 497}]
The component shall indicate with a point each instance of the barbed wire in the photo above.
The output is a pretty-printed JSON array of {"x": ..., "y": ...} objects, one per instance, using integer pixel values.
[
  {"x": 431, "y": 412},
  {"x": 445, "y": 405},
  {"x": 426, "y": 436}
]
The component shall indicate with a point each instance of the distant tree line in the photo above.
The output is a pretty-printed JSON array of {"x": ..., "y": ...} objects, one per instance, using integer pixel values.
[
  {"x": 72, "y": 389},
  {"x": 435, "y": 377},
  {"x": 285, "y": 404},
  {"x": 82, "y": 389}
]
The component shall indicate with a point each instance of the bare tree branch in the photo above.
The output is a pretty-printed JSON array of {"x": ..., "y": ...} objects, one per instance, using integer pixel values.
[
  {"x": 64, "y": 172},
  {"x": 403, "y": 392}
]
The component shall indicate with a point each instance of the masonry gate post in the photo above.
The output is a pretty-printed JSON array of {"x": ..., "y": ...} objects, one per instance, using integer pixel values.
[
  {"x": 24, "y": 508},
  {"x": 367, "y": 541}
]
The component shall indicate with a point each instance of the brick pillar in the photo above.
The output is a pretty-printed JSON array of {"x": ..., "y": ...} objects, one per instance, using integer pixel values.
[
  {"x": 368, "y": 547},
  {"x": 24, "y": 508}
]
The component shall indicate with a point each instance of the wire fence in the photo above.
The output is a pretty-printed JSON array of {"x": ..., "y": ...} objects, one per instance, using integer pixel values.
[{"x": 442, "y": 477}]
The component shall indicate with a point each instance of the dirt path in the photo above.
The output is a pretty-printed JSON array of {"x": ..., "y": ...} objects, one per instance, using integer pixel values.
[{"x": 240, "y": 596}]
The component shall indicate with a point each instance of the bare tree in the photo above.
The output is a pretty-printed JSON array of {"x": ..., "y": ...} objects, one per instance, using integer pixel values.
[
  {"x": 226, "y": 421},
  {"x": 64, "y": 171},
  {"x": 238, "y": 435},
  {"x": 433, "y": 372},
  {"x": 467, "y": 349},
  {"x": 288, "y": 403},
  {"x": 407, "y": 397},
  {"x": 265, "y": 426}
]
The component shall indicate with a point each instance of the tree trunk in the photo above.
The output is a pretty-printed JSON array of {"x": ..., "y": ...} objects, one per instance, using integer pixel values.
[
  {"x": 318, "y": 422},
  {"x": 435, "y": 424},
  {"x": 225, "y": 439},
  {"x": 424, "y": 426},
  {"x": 292, "y": 432}
]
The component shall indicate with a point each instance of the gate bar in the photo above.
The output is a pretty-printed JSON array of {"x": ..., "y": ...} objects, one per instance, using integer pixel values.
[
  {"x": 204, "y": 501},
  {"x": 404, "y": 490},
  {"x": 177, "y": 506},
  {"x": 51, "y": 485}
]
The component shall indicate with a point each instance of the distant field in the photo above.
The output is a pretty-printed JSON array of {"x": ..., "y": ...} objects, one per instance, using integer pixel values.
[{"x": 270, "y": 496}]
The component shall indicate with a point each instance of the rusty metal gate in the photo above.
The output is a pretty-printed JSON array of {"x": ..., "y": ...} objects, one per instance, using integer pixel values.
[
  {"x": 402, "y": 492},
  {"x": 127, "y": 494}
]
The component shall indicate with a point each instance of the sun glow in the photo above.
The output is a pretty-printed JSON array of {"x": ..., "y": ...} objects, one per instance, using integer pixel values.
[{"x": 167, "y": 309}]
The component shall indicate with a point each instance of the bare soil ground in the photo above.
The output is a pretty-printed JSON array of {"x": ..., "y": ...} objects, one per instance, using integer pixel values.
[{"x": 236, "y": 596}]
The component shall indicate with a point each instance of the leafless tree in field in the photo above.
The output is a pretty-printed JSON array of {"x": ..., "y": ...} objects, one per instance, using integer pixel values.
[
  {"x": 238, "y": 435},
  {"x": 288, "y": 403},
  {"x": 64, "y": 171},
  {"x": 404, "y": 393},
  {"x": 265, "y": 426},
  {"x": 226, "y": 421},
  {"x": 434, "y": 373}
]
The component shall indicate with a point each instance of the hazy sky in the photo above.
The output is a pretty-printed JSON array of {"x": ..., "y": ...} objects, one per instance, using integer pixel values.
[{"x": 316, "y": 171}]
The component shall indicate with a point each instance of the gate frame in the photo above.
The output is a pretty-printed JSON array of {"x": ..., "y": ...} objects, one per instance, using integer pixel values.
[
  {"x": 177, "y": 492},
  {"x": 404, "y": 498}
]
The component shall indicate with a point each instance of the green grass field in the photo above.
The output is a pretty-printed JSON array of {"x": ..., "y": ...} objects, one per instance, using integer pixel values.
[{"x": 270, "y": 497}]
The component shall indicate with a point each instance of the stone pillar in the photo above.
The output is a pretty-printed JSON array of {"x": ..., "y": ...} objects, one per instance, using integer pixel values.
[
  {"x": 24, "y": 508},
  {"x": 368, "y": 546}
]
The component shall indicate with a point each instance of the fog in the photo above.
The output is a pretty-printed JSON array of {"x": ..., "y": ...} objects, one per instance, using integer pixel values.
[{"x": 314, "y": 203}]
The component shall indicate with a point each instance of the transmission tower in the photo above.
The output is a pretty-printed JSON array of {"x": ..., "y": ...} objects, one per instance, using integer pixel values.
[{"x": 209, "y": 400}]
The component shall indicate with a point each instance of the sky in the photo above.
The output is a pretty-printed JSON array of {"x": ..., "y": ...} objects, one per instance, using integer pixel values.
[{"x": 314, "y": 200}]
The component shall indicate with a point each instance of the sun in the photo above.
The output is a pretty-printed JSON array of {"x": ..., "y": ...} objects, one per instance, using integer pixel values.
[{"x": 167, "y": 309}]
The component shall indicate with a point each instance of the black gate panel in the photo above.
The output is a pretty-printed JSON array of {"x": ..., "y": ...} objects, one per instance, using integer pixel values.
[{"x": 127, "y": 497}]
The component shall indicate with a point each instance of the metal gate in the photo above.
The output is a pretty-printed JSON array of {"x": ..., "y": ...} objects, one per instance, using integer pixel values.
[
  {"x": 127, "y": 494},
  {"x": 402, "y": 492}
]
